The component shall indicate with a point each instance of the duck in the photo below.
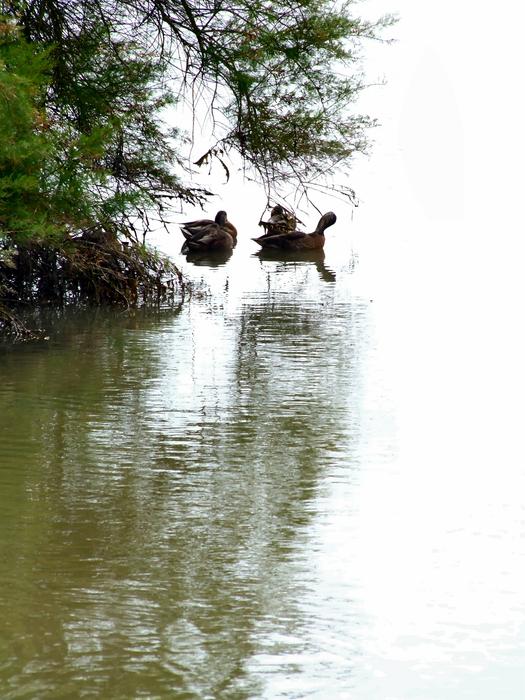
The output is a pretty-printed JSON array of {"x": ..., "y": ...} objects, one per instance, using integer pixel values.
[
  {"x": 281, "y": 221},
  {"x": 208, "y": 235},
  {"x": 297, "y": 240}
]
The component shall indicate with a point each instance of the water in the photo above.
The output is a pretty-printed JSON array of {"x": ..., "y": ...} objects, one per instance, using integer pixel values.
[
  {"x": 258, "y": 495},
  {"x": 159, "y": 475}
]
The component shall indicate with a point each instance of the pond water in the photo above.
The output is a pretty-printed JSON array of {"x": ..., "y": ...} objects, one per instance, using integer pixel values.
[{"x": 289, "y": 487}]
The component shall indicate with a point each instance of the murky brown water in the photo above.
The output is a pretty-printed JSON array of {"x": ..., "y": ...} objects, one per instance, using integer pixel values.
[{"x": 214, "y": 503}]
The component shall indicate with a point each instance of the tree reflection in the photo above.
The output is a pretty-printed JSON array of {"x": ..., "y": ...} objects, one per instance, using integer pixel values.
[{"x": 160, "y": 511}]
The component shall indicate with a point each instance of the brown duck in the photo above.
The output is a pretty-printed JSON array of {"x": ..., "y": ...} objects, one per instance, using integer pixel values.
[
  {"x": 207, "y": 235},
  {"x": 297, "y": 240},
  {"x": 281, "y": 221}
]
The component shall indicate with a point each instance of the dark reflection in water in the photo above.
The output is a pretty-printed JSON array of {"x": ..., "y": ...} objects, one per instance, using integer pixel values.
[
  {"x": 317, "y": 257},
  {"x": 157, "y": 476},
  {"x": 209, "y": 259}
]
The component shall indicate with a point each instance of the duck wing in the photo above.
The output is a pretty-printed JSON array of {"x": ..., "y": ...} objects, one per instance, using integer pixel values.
[
  {"x": 206, "y": 231},
  {"x": 211, "y": 237},
  {"x": 190, "y": 228},
  {"x": 279, "y": 240},
  {"x": 199, "y": 237}
]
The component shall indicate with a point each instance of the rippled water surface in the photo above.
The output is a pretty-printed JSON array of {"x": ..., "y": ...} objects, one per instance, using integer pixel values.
[{"x": 259, "y": 495}]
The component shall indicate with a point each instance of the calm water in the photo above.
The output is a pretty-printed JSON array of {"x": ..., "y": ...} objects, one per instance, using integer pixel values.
[{"x": 259, "y": 495}]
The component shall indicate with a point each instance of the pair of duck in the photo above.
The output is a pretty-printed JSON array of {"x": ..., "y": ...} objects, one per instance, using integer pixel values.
[{"x": 280, "y": 233}]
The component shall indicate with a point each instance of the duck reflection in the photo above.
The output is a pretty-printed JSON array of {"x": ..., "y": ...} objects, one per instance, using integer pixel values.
[
  {"x": 301, "y": 257},
  {"x": 209, "y": 259}
]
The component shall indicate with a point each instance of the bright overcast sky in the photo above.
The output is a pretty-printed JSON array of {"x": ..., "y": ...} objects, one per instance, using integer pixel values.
[
  {"x": 452, "y": 106},
  {"x": 442, "y": 195}
]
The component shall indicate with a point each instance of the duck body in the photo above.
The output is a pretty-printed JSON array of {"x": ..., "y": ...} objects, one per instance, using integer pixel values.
[
  {"x": 297, "y": 240},
  {"x": 207, "y": 235},
  {"x": 281, "y": 221}
]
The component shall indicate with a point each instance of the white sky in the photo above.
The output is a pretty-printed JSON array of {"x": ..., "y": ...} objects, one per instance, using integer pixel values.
[
  {"x": 451, "y": 111},
  {"x": 445, "y": 181}
]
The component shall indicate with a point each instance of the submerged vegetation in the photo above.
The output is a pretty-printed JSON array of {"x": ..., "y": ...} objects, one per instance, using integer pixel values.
[{"x": 87, "y": 163}]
